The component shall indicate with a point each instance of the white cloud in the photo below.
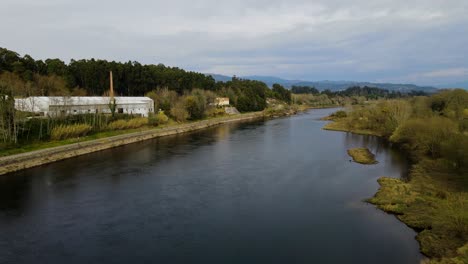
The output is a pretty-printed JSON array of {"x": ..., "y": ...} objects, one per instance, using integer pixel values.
[
  {"x": 358, "y": 39},
  {"x": 446, "y": 73}
]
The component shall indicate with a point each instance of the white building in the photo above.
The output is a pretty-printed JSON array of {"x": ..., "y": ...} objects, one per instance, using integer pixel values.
[
  {"x": 221, "y": 101},
  {"x": 72, "y": 105}
]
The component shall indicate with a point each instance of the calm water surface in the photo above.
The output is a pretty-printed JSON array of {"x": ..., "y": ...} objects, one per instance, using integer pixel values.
[{"x": 277, "y": 191}]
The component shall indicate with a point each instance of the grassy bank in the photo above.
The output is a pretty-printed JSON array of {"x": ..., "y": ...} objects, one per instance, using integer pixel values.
[
  {"x": 362, "y": 155},
  {"x": 39, "y": 145},
  {"x": 340, "y": 125},
  {"x": 434, "y": 201},
  {"x": 67, "y": 150}
]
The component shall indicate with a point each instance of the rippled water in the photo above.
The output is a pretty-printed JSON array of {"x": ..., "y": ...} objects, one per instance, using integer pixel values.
[{"x": 277, "y": 191}]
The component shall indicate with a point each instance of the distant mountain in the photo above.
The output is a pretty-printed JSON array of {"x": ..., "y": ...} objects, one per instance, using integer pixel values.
[
  {"x": 219, "y": 77},
  {"x": 463, "y": 85},
  {"x": 331, "y": 85}
]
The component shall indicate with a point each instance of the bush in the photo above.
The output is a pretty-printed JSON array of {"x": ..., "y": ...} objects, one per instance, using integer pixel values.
[
  {"x": 158, "y": 119},
  {"x": 195, "y": 106},
  {"x": 137, "y": 122},
  {"x": 163, "y": 98},
  {"x": 128, "y": 124},
  {"x": 179, "y": 113},
  {"x": 70, "y": 131},
  {"x": 425, "y": 135},
  {"x": 117, "y": 125},
  {"x": 339, "y": 114},
  {"x": 215, "y": 111},
  {"x": 162, "y": 118}
]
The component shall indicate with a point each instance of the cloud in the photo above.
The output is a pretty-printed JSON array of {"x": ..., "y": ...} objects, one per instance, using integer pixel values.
[
  {"x": 446, "y": 73},
  {"x": 334, "y": 39}
]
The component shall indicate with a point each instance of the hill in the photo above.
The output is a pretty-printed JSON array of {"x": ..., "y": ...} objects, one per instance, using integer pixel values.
[{"x": 330, "y": 85}]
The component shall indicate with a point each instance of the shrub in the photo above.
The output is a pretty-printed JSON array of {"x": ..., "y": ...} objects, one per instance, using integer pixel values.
[
  {"x": 179, "y": 113},
  {"x": 158, "y": 119},
  {"x": 127, "y": 124},
  {"x": 195, "y": 106},
  {"x": 162, "y": 118},
  {"x": 215, "y": 111},
  {"x": 137, "y": 122},
  {"x": 70, "y": 131},
  {"x": 163, "y": 98},
  {"x": 425, "y": 135},
  {"x": 117, "y": 125},
  {"x": 339, "y": 114}
]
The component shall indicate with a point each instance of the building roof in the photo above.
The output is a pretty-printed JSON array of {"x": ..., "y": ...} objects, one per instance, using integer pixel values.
[{"x": 42, "y": 103}]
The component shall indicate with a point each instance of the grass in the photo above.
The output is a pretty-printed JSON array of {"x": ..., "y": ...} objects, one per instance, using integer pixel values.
[
  {"x": 341, "y": 125},
  {"x": 435, "y": 203},
  {"x": 18, "y": 149},
  {"x": 7, "y": 150},
  {"x": 362, "y": 155},
  {"x": 70, "y": 131}
]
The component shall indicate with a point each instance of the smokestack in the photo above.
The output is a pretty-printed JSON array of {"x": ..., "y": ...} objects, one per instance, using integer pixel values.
[{"x": 111, "y": 92}]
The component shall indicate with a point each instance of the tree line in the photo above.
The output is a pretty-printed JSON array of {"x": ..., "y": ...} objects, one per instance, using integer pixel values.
[
  {"x": 427, "y": 126},
  {"x": 370, "y": 93},
  {"x": 90, "y": 77}
]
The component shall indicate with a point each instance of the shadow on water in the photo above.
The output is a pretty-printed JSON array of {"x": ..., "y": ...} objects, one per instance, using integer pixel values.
[{"x": 275, "y": 191}]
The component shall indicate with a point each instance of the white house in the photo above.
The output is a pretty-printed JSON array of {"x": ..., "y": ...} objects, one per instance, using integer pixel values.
[
  {"x": 70, "y": 105},
  {"x": 221, "y": 101}
]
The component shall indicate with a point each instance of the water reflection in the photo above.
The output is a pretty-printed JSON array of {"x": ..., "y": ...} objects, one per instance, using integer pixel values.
[
  {"x": 14, "y": 193},
  {"x": 381, "y": 148}
]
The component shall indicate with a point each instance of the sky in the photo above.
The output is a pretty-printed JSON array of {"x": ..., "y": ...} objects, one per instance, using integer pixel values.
[{"x": 398, "y": 41}]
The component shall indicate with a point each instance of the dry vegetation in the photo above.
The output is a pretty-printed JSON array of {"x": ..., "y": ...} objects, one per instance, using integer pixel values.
[
  {"x": 434, "y": 203},
  {"x": 128, "y": 124},
  {"x": 362, "y": 155},
  {"x": 70, "y": 131}
]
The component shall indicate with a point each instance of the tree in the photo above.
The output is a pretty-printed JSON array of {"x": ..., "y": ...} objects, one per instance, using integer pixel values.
[
  {"x": 304, "y": 90},
  {"x": 7, "y": 59},
  {"x": 194, "y": 107},
  {"x": 425, "y": 136},
  {"x": 8, "y": 128},
  {"x": 51, "y": 85},
  {"x": 112, "y": 106},
  {"x": 281, "y": 93}
]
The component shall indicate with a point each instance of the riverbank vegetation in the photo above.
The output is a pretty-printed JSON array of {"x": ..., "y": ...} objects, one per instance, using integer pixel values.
[
  {"x": 179, "y": 96},
  {"x": 362, "y": 155},
  {"x": 433, "y": 130}
]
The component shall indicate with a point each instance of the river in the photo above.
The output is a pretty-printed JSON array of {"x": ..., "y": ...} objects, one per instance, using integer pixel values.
[{"x": 275, "y": 191}]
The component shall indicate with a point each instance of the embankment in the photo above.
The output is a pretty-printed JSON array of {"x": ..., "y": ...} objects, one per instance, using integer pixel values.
[{"x": 31, "y": 159}]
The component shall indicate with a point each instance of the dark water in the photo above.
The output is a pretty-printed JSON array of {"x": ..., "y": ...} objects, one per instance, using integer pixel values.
[{"x": 280, "y": 191}]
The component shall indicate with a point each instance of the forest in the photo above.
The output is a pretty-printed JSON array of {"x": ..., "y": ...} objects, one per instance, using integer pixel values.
[{"x": 90, "y": 77}]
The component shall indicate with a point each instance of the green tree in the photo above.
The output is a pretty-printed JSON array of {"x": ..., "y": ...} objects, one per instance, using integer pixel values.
[
  {"x": 281, "y": 93},
  {"x": 8, "y": 128},
  {"x": 425, "y": 136}
]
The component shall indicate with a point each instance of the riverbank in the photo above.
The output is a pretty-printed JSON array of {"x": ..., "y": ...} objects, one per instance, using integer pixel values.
[
  {"x": 12, "y": 163},
  {"x": 46, "y": 152},
  {"x": 338, "y": 124},
  {"x": 434, "y": 202}
]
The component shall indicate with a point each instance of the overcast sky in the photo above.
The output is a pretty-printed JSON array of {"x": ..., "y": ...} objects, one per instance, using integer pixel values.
[{"x": 412, "y": 41}]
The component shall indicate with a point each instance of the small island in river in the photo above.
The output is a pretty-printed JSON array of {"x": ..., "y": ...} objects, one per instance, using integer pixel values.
[{"x": 362, "y": 155}]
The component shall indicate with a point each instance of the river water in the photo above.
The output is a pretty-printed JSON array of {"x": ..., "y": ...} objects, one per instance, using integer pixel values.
[{"x": 276, "y": 191}]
